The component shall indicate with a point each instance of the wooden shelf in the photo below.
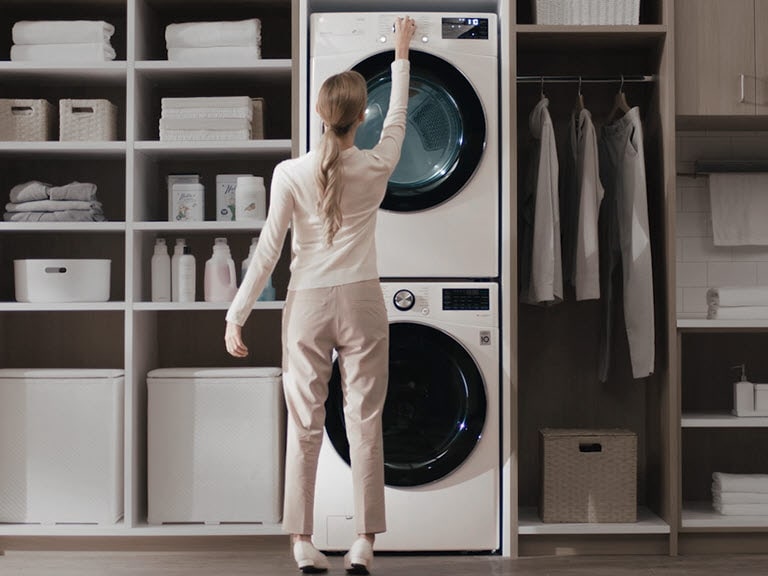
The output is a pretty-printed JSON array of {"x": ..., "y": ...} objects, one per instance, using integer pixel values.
[
  {"x": 647, "y": 523},
  {"x": 55, "y": 149},
  {"x": 57, "y": 227},
  {"x": 722, "y": 420},
  {"x": 700, "y": 516},
  {"x": 100, "y": 72},
  {"x": 534, "y": 36},
  {"x": 207, "y": 226},
  {"x": 159, "y": 149},
  {"x": 165, "y": 70},
  {"x": 704, "y": 325}
]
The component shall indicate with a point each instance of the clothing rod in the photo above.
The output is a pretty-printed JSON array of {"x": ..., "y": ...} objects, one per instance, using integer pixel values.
[
  {"x": 704, "y": 167},
  {"x": 585, "y": 79}
]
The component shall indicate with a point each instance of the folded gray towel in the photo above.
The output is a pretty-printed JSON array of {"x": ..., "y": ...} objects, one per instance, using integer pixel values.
[
  {"x": 29, "y": 191},
  {"x": 53, "y": 206},
  {"x": 84, "y": 191},
  {"x": 59, "y": 216}
]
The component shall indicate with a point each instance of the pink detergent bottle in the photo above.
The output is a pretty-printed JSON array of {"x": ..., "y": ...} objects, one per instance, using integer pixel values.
[{"x": 220, "y": 277}]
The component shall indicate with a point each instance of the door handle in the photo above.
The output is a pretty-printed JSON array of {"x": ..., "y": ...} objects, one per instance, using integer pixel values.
[{"x": 741, "y": 83}]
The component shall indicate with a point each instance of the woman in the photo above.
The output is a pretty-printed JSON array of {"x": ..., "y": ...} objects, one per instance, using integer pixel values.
[{"x": 331, "y": 197}]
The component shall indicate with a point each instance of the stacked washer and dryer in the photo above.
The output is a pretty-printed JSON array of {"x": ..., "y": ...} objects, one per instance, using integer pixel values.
[{"x": 438, "y": 247}]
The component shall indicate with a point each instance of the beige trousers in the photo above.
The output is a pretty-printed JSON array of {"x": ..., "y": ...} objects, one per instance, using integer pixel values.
[{"x": 352, "y": 319}]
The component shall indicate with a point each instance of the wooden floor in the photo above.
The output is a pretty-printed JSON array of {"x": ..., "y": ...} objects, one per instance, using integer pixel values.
[{"x": 278, "y": 561}]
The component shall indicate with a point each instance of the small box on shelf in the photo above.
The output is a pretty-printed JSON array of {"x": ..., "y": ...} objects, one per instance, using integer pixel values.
[
  {"x": 26, "y": 120},
  {"x": 89, "y": 120}
]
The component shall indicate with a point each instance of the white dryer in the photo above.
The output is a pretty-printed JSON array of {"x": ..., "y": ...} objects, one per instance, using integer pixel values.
[
  {"x": 440, "y": 216},
  {"x": 440, "y": 424}
]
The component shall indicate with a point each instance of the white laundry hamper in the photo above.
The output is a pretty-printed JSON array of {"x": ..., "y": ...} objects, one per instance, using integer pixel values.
[
  {"x": 216, "y": 445},
  {"x": 61, "y": 446}
]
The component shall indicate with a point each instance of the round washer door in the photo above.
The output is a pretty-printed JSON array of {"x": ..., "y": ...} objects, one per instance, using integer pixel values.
[
  {"x": 435, "y": 407},
  {"x": 445, "y": 135}
]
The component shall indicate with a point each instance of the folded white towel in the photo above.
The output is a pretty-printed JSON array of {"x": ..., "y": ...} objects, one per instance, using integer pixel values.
[
  {"x": 215, "y": 55},
  {"x": 62, "y": 31},
  {"x": 204, "y": 135},
  {"x": 739, "y": 205},
  {"x": 57, "y": 216},
  {"x": 206, "y": 102},
  {"x": 738, "y": 497},
  {"x": 723, "y": 482},
  {"x": 83, "y": 191},
  {"x": 70, "y": 53},
  {"x": 205, "y": 124},
  {"x": 196, "y": 34},
  {"x": 29, "y": 191},
  {"x": 53, "y": 206},
  {"x": 742, "y": 509},
  {"x": 737, "y": 312},
  {"x": 241, "y": 112},
  {"x": 738, "y": 296}
]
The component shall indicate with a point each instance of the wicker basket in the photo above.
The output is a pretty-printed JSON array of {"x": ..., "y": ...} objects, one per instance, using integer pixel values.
[
  {"x": 588, "y": 475},
  {"x": 611, "y": 12},
  {"x": 257, "y": 123},
  {"x": 26, "y": 120},
  {"x": 87, "y": 120}
]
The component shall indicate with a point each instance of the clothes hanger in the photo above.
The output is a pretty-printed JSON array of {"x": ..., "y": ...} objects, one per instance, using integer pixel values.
[
  {"x": 619, "y": 103},
  {"x": 579, "y": 99},
  {"x": 541, "y": 91}
]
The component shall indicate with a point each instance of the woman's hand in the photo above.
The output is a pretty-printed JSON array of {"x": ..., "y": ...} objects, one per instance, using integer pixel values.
[
  {"x": 234, "y": 341},
  {"x": 405, "y": 28}
]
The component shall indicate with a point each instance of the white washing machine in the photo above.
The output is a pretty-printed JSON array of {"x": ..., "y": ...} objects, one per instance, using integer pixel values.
[
  {"x": 440, "y": 424},
  {"x": 440, "y": 216}
]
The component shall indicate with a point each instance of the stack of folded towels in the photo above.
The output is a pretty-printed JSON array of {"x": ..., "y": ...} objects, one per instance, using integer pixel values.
[
  {"x": 737, "y": 302},
  {"x": 214, "y": 118},
  {"x": 740, "y": 494},
  {"x": 36, "y": 201},
  {"x": 70, "y": 41},
  {"x": 214, "y": 42}
]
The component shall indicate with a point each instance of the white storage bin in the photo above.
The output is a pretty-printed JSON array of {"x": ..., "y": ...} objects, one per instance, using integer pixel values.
[
  {"x": 62, "y": 280},
  {"x": 25, "y": 120},
  {"x": 586, "y": 12},
  {"x": 216, "y": 445},
  {"x": 61, "y": 446},
  {"x": 94, "y": 120}
]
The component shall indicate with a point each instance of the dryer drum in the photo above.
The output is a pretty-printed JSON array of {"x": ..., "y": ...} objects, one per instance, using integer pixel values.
[
  {"x": 445, "y": 135},
  {"x": 435, "y": 408}
]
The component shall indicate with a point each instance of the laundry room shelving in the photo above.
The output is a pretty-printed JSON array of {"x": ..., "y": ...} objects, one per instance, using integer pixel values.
[
  {"x": 558, "y": 346},
  {"x": 129, "y": 332}
]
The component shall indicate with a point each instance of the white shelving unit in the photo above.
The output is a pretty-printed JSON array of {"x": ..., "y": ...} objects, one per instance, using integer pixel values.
[
  {"x": 128, "y": 332},
  {"x": 722, "y": 420},
  {"x": 701, "y": 516},
  {"x": 647, "y": 523}
]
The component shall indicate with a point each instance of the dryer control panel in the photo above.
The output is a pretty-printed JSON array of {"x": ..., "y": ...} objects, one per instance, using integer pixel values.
[
  {"x": 465, "y": 28},
  {"x": 468, "y": 303}
]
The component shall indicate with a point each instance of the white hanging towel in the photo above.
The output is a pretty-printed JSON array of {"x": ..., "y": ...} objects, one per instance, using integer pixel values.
[
  {"x": 58, "y": 53},
  {"x": 62, "y": 32},
  {"x": 546, "y": 283},
  {"x": 739, "y": 208},
  {"x": 727, "y": 296},
  {"x": 199, "y": 34}
]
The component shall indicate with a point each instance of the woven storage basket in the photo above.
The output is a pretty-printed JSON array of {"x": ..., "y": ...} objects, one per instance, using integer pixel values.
[
  {"x": 609, "y": 12},
  {"x": 87, "y": 120},
  {"x": 257, "y": 123},
  {"x": 588, "y": 475},
  {"x": 25, "y": 120}
]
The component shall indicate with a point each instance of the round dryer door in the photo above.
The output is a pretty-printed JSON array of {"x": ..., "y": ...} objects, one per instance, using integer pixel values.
[
  {"x": 435, "y": 407},
  {"x": 445, "y": 134}
]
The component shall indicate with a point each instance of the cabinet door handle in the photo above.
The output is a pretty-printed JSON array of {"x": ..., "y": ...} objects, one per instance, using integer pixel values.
[{"x": 741, "y": 82}]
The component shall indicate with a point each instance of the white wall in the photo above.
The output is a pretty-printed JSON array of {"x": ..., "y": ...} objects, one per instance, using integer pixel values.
[{"x": 701, "y": 264}]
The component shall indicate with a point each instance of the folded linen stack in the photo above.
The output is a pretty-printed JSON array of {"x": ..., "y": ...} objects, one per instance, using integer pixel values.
[
  {"x": 214, "y": 42},
  {"x": 740, "y": 494},
  {"x": 206, "y": 118},
  {"x": 36, "y": 201},
  {"x": 62, "y": 41},
  {"x": 737, "y": 302}
]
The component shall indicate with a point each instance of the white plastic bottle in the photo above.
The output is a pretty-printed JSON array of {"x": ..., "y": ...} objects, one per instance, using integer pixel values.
[
  {"x": 161, "y": 272},
  {"x": 250, "y": 198},
  {"x": 178, "y": 250},
  {"x": 220, "y": 278},
  {"x": 268, "y": 293},
  {"x": 187, "y": 274}
]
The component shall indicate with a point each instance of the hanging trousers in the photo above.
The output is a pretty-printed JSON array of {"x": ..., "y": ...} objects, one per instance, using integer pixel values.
[{"x": 351, "y": 319}]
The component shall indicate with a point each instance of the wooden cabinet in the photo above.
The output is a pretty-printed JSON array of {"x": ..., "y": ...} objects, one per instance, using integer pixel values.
[{"x": 715, "y": 49}]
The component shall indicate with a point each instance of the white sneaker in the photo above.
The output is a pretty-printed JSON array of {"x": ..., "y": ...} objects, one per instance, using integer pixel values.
[
  {"x": 309, "y": 559},
  {"x": 359, "y": 559}
]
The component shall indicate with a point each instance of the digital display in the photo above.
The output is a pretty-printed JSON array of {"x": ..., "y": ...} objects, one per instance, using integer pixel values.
[
  {"x": 465, "y": 28},
  {"x": 466, "y": 299}
]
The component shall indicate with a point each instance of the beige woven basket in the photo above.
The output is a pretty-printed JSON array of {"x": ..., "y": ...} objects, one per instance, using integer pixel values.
[
  {"x": 257, "y": 123},
  {"x": 87, "y": 120},
  {"x": 586, "y": 12},
  {"x": 588, "y": 475},
  {"x": 26, "y": 120}
]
